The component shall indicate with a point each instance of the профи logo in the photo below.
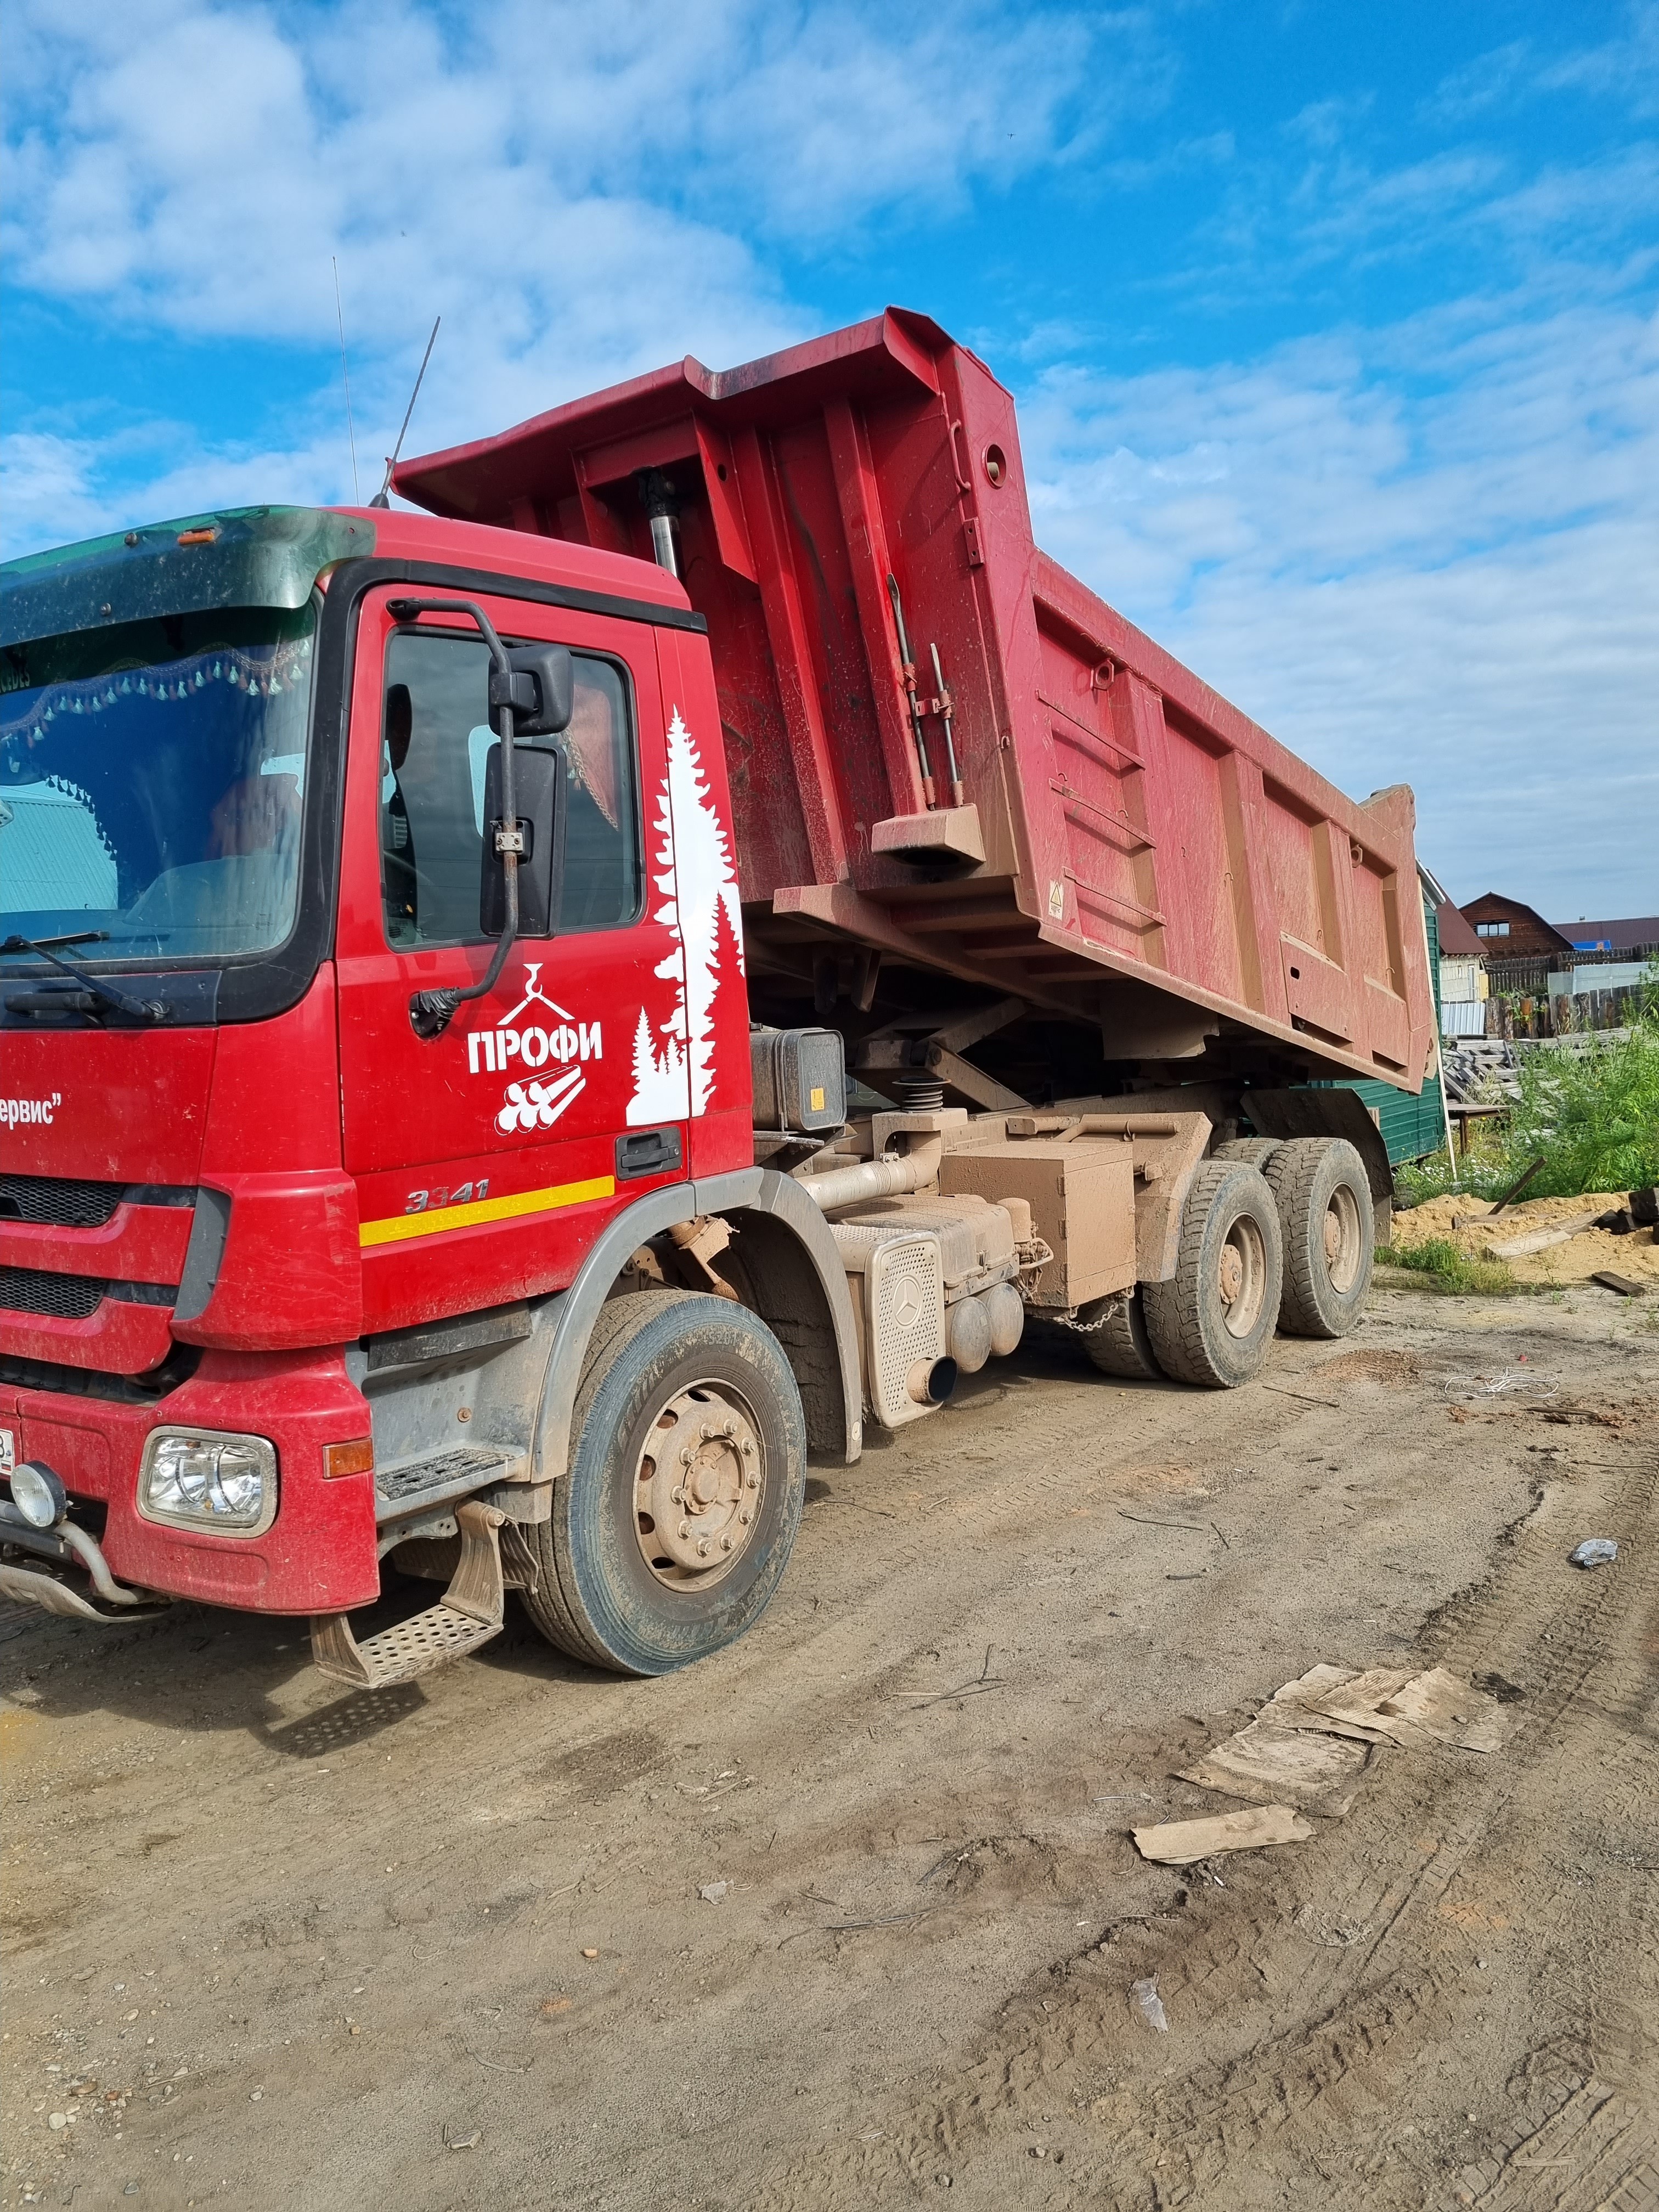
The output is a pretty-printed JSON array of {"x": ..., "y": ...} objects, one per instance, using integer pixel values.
[{"x": 563, "y": 1044}]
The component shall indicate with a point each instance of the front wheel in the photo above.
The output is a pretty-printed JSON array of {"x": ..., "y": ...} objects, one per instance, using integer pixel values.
[
  {"x": 1213, "y": 1322},
  {"x": 676, "y": 1517}
]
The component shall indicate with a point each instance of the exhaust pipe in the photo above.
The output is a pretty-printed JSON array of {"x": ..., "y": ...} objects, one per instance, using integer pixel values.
[{"x": 931, "y": 1381}]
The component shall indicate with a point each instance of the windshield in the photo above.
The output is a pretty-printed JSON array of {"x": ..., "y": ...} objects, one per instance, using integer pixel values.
[{"x": 151, "y": 777}]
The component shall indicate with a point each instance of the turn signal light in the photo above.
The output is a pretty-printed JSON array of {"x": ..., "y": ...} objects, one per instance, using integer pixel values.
[
  {"x": 356, "y": 1458},
  {"x": 197, "y": 536}
]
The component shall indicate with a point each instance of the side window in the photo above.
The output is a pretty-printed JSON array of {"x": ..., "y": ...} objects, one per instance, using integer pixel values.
[{"x": 436, "y": 742}]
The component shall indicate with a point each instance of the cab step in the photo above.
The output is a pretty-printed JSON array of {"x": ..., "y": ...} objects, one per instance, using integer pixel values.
[
  {"x": 469, "y": 1612},
  {"x": 419, "y": 1484}
]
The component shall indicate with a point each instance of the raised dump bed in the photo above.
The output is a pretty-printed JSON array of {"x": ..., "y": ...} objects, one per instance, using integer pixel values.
[{"x": 1069, "y": 824}]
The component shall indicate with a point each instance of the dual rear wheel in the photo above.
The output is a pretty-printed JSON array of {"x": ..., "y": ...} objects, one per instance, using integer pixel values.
[{"x": 1274, "y": 1235}]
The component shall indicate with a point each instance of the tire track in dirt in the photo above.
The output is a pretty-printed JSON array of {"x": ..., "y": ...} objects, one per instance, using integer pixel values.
[{"x": 1389, "y": 1986}]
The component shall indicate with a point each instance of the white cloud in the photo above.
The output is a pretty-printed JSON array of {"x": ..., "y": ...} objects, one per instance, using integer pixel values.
[
  {"x": 1625, "y": 67},
  {"x": 51, "y": 493},
  {"x": 1425, "y": 555},
  {"x": 577, "y": 190},
  {"x": 202, "y": 174}
]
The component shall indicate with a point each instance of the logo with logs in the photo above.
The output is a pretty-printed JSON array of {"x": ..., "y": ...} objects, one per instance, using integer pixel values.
[{"x": 558, "y": 1042}]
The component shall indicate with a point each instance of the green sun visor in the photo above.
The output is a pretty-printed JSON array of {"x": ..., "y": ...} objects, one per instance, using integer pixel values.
[{"x": 250, "y": 556}]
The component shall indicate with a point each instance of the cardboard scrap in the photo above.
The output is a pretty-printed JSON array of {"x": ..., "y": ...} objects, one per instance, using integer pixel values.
[
  {"x": 1358, "y": 1700},
  {"x": 1180, "y": 1843},
  {"x": 1294, "y": 1706},
  {"x": 1404, "y": 1706},
  {"x": 1320, "y": 1773},
  {"x": 1440, "y": 1705}
]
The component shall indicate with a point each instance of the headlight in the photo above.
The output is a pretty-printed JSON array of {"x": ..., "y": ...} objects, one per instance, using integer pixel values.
[{"x": 202, "y": 1479}]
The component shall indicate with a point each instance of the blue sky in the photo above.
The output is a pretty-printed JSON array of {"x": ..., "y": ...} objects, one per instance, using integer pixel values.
[{"x": 1334, "y": 327}]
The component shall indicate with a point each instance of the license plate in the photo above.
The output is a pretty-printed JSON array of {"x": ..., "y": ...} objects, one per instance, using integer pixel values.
[{"x": 8, "y": 1451}]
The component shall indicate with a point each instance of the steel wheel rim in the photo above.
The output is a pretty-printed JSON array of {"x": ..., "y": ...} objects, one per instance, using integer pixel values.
[
  {"x": 699, "y": 1483},
  {"x": 1242, "y": 1276},
  {"x": 1343, "y": 1243}
]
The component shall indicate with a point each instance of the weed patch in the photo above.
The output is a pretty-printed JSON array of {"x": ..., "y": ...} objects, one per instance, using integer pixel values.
[
  {"x": 1589, "y": 1111},
  {"x": 1450, "y": 1267}
]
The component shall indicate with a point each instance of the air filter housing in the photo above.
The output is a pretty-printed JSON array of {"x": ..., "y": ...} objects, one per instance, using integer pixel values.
[{"x": 901, "y": 1315}]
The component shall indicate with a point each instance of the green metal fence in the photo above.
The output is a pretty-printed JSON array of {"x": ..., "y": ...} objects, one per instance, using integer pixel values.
[{"x": 1411, "y": 1128}]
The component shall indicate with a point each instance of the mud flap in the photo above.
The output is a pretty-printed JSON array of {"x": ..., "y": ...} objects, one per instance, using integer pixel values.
[{"x": 469, "y": 1612}]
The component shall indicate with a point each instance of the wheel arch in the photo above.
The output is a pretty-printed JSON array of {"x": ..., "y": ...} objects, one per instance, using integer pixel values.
[
  {"x": 1336, "y": 1112},
  {"x": 800, "y": 1293}
]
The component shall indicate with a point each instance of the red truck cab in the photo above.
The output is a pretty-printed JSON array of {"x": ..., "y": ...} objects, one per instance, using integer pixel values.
[{"x": 238, "y": 1185}]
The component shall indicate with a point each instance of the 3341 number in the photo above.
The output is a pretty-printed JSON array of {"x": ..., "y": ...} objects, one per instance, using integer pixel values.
[{"x": 425, "y": 1201}]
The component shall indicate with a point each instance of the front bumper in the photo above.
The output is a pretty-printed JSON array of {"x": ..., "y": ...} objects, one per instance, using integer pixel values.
[
  {"x": 63, "y": 1571},
  {"x": 319, "y": 1554}
]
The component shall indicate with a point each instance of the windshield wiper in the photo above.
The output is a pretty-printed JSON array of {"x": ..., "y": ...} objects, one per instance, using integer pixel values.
[
  {"x": 80, "y": 1000},
  {"x": 42, "y": 944}
]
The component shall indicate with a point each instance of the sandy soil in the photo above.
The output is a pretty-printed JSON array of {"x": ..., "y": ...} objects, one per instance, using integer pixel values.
[
  {"x": 1636, "y": 1255},
  {"x": 271, "y": 1944}
]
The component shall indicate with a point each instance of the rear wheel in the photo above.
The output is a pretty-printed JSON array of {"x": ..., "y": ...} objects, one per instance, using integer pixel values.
[
  {"x": 1121, "y": 1346},
  {"x": 1324, "y": 1200},
  {"x": 1255, "y": 1152},
  {"x": 1213, "y": 1322},
  {"x": 676, "y": 1517}
]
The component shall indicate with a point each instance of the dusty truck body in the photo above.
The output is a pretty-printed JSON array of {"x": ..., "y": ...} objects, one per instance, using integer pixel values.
[{"x": 430, "y": 948}]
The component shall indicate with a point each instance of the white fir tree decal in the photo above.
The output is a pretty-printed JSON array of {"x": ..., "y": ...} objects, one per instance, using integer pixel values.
[
  {"x": 695, "y": 878},
  {"x": 660, "y": 1093}
]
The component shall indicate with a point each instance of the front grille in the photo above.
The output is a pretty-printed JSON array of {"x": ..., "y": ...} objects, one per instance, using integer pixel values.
[
  {"x": 65, "y": 1297},
  {"x": 72, "y": 1298},
  {"x": 58, "y": 1202}
]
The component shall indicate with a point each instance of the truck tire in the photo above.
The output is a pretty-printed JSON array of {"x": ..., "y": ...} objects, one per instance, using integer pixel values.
[
  {"x": 1255, "y": 1152},
  {"x": 677, "y": 1515},
  {"x": 1326, "y": 1216},
  {"x": 1213, "y": 1322},
  {"x": 1122, "y": 1345}
]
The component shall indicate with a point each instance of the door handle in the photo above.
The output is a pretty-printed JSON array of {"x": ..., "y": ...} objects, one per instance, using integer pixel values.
[{"x": 647, "y": 1151}]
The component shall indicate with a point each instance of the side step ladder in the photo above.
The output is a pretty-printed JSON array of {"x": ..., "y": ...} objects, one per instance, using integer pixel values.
[{"x": 494, "y": 1554}]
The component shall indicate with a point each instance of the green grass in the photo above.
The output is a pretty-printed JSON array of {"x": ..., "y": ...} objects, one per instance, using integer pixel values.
[
  {"x": 1450, "y": 1267},
  {"x": 1591, "y": 1114}
]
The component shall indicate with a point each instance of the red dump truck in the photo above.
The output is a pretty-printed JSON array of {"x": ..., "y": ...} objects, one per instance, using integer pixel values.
[{"x": 433, "y": 947}]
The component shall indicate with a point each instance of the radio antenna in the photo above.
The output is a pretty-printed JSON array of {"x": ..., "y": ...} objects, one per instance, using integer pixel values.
[
  {"x": 339, "y": 317},
  {"x": 383, "y": 497}
]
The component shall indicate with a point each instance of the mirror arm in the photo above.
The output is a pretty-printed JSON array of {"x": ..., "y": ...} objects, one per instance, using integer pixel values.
[{"x": 430, "y": 1013}]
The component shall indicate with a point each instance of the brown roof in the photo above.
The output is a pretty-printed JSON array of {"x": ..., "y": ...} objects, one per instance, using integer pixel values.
[
  {"x": 1458, "y": 939},
  {"x": 1622, "y": 936},
  {"x": 1500, "y": 907}
]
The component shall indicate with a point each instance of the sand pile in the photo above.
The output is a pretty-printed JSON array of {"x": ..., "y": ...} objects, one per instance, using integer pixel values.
[{"x": 1636, "y": 1255}]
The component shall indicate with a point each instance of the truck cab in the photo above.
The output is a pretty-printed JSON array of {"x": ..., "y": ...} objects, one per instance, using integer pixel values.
[{"x": 269, "y": 1245}]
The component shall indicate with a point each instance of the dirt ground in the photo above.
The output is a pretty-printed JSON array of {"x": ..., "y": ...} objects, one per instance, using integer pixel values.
[
  {"x": 462, "y": 1945},
  {"x": 1636, "y": 1255}
]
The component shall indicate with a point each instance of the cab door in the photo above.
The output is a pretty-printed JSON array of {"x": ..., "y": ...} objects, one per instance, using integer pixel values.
[{"x": 489, "y": 1158}]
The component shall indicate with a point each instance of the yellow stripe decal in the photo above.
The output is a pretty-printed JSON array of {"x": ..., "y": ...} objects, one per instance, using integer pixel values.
[{"x": 395, "y": 1229}]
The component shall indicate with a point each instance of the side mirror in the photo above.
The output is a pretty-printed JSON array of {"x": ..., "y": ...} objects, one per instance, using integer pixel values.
[
  {"x": 541, "y": 691},
  {"x": 538, "y": 785}
]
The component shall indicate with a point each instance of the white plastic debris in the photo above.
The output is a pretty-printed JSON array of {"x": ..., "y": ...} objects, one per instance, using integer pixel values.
[
  {"x": 712, "y": 1891},
  {"x": 1144, "y": 1996},
  {"x": 1595, "y": 1551}
]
